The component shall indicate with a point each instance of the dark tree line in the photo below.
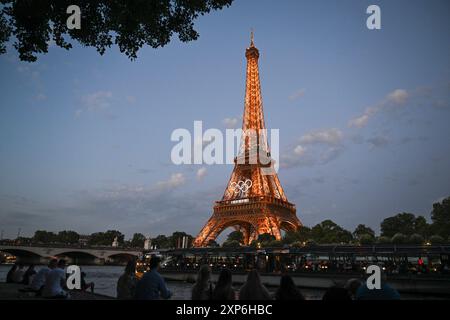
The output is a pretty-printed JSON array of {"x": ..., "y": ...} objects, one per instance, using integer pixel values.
[
  {"x": 403, "y": 228},
  {"x": 130, "y": 25}
]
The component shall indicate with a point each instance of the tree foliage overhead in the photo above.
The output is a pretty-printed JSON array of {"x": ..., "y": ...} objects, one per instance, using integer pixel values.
[{"x": 129, "y": 24}]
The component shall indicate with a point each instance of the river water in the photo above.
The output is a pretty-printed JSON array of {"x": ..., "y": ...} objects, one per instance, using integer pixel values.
[{"x": 105, "y": 279}]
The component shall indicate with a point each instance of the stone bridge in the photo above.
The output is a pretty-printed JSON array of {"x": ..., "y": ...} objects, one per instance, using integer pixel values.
[{"x": 99, "y": 255}]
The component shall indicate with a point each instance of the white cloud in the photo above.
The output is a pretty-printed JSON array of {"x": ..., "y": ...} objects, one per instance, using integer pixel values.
[
  {"x": 332, "y": 136},
  {"x": 396, "y": 97},
  {"x": 299, "y": 150},
  {"x": 330, "y": 154},
  {"x": 97, "y": 101},
  {"x": 175, "y": 180},
  {"x": 230, "y": 123},
  {"x": 325, "y": 146},
  {"x": 201, "y": 173},
  {"x": 359, "y": 122},
  {"x": 297, "y": 94}
]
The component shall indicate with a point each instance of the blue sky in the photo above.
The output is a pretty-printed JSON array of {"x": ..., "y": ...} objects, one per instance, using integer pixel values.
[{"x": 363, "y": 118}]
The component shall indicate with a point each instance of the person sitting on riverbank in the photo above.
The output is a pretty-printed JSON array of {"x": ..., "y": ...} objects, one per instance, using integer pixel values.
[
  {"x": 29, "y": 275},
  {"x": 152, "y": 285},
  {"x": 17, "y": 276},
  {"x": 253, "y": 289},
  {"x": 38, "y": 282},
  {"x": 288, "y": 290},
  {"x": 224, "y": 289},
  {"x": 126, "y": 286},
  {"x": 386, "y": 292},
  {"x": 56, "y": 282},
  {"x": 202, "y": 289},
  {"x": 352, "y": 287},
  {"x": 86, "y": 285},
  {"x": 9, "y": 276},
  {"x": 336, "y": 293}
]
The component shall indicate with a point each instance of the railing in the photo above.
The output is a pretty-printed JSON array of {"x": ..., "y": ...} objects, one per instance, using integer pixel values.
[
  {"x": 255, "y": 200},
  {"x": 59, "y": 245}
]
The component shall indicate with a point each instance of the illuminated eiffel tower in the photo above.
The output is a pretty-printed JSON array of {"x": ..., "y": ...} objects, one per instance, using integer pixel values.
[{"x": 254, "y": 201}]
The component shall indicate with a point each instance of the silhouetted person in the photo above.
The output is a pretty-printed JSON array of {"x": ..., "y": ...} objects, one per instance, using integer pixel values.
[
  {"x": 38, "y": 282},
  {"x": 86, "y": 285},
  {"x": 9, "y": 276},
  {"x": 17, "y": 276},
  {"x": 386, "y": 292},
  {"x": 27, "y": 276},
  {"x": 152, "y": 285},
  {"x": 224, "y": 289},
  {"x": 336, "y": 294},
  {"x": 288, "y": 290},
  {"x": 352, "y": 286},
  {"x": 202, "y": 289},
  {"x": 253, "y": 289},
  {"x": 126, "y": 286},
  {"x": 56, "y": 282}
]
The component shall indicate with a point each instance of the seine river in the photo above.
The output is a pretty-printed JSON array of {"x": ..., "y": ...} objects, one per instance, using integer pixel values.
[{"x": 105, "y": 279}]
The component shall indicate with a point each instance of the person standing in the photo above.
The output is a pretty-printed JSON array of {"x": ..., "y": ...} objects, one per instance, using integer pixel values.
[{"x": 152, "y": 285}]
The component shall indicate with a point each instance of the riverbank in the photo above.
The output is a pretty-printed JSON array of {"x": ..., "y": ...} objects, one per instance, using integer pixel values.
[
  {"x": 408, "y": 284},
  {"x": 12, "y": 291}
]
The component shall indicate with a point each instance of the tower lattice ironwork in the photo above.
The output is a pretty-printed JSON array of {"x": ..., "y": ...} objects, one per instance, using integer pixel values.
[{"x": 254, "y": 201}]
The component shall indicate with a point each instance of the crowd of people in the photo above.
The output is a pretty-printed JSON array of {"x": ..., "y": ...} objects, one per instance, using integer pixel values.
[
  {"x": 152, "y": 287},
  {"x": 49, "y": 282},
  {"x": 270, "y": 265}
]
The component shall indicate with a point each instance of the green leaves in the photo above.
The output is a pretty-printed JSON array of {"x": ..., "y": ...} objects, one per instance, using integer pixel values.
[{"x": 128, "y": 24}]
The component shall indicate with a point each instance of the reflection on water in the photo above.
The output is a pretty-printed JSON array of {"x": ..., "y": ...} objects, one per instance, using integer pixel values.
[{"x": 105, "y": 279}]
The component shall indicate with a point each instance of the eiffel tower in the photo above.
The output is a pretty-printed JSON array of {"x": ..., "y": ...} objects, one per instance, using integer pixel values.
[{"x": 254, "y": 201}]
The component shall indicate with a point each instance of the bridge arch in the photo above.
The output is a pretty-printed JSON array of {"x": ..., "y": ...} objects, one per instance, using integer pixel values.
[{"x": 21, "y": 252}]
